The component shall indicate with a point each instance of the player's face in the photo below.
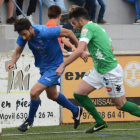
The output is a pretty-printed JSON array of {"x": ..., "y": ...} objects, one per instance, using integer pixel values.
[
  {"x": 26, "y": 34},
  {"x": 76, "y": 24}
]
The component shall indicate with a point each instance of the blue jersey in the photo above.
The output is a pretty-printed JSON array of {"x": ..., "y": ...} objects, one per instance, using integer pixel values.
[{"x": 44, "y": 46}]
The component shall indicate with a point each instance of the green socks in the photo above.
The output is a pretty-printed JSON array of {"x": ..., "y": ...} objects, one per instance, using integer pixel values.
[
  {"x": 131, "y": 108},
  {"x": 87, "y": 103}
]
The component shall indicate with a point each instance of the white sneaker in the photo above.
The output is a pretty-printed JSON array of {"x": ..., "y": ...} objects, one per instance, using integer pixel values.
[
  {"x": 20, "y": 17},
  {"x": 30, "y": 18}
]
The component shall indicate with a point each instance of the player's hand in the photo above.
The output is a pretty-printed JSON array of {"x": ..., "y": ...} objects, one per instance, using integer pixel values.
[
  {"x": 59, "y": 70},
  {"x": 84, "y": 56},
  {"x": 73, "y": 49},
  {"x": 64, "y": 51},
  {"x": 9, "y": 66}
]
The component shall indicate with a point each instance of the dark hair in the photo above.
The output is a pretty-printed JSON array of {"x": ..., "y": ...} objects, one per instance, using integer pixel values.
[
  {"x": 22, "y": 24},
  {"x": 79, "y": 12},
  {"x": 54, "y": 11}
]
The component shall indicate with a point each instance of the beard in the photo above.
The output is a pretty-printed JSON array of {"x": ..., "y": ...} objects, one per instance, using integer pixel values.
[
  {"x": 30, "y": 36},
  {"x": 80, "y": 26}
]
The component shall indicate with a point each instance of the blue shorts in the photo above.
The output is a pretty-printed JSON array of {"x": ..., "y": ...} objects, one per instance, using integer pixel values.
[{"x": 49, "y": 77}]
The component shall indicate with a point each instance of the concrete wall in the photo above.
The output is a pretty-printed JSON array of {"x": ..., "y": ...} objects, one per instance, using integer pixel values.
[
  {"x": 124, "y": 37},
  {"x": 117, "y": 12}
]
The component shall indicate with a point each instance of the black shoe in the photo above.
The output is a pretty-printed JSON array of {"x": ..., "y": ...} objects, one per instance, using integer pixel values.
[
  {"x": 25, "y": 126},
  {"x": 64, "y": 21},
  {"x": 64, "y": 15},
  {"x": 64, "y": 18},
  {"x": 137, "y": 22},
  {"x": 77, "y": 117},
  {"x": 103, "y": 22},
  {"x": 93, "y": 21},
  {"x": 97, "y": 127},
  {"x": 0, "y": 19},
  {"x": 11, "y": 20},
  {"x": 0, "y": 22}
]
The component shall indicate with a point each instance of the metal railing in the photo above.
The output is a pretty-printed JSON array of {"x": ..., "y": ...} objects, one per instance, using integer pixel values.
[{"x": 40, "y": 11}]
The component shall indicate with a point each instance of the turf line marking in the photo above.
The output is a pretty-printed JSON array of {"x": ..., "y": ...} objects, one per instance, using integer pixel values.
[
  {"x": 118, "y": 135},
  {"x": 79, "y": 132}
]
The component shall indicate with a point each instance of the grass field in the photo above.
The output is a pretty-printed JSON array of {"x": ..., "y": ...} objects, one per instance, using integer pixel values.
[{"x": 115, "y": 131}]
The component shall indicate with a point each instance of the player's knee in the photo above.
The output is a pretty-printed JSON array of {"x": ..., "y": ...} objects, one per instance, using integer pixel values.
[
  {"x": 119, "y": 106},
  {"x": 33, "y": 94},
  {"x": 49, "y": 96},
  {"x": 52, "y": 96}
]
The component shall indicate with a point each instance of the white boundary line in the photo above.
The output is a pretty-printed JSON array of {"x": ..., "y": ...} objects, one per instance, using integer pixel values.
[{"x": 66, "y": 132}]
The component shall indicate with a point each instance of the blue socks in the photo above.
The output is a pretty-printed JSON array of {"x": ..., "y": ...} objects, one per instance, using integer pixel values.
[
  {"x": 63, "y": 101},
  {"x": 33, "y": 109}
]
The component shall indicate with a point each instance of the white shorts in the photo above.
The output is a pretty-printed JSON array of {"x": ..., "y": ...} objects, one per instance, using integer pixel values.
[{"x": 112, "y": 81}]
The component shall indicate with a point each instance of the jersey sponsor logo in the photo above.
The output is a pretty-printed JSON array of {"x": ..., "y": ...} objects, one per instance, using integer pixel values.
[
  {"x": 84, "y": 30},
  {"x": 109, "y": 89},
  {"x": 40, "y": 41},
  {"x": 41, "y": 49},
  {"x": 132, "y": 74},
  {"x": 99, "y": 55}
]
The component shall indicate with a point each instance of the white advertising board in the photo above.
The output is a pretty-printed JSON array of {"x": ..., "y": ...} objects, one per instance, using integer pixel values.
[{"x": 15, "y": 87}]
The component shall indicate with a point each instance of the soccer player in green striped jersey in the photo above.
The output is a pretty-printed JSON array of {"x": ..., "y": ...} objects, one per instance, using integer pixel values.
[{"x": 106, "y": 72}]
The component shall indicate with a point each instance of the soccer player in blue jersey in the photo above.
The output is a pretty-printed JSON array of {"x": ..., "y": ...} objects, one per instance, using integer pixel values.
[{"x": 48, "y": 56}]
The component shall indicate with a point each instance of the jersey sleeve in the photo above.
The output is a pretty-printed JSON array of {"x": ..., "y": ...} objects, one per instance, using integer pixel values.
[
  {"x": 21, "y": 42},
  {"x": 50, "y": 32},
  {"x": 86, "y": 35}
]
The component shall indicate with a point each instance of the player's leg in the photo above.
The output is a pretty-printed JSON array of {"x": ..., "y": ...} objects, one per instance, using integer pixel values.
[
  {"x": 122, "y": 104},
  {"x": 63, "y": 101},
  {"x": 114, "y": 85},
  {"x": 86, "y": 86},
  {"x": 36, "y": 90}
]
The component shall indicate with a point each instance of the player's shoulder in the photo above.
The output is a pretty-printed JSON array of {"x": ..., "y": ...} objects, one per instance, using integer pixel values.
[
  {"x": 88, "y": 26},
  {"x": 38, "y": 27},
  {"x": 92, "y": 26}
]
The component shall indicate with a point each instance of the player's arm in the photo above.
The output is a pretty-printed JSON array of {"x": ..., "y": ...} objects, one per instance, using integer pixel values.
[
  {"x": 68, "y": 44},
  {"x": 112, "y": 48},
  {"x": 15, "y": 57},
  {"x": 62, "y": 48},
  {"x": 70, "y": 35},
  {"x": 78, "y": 52},
  {"x": 139, "y": 5},
  {"x": 111, "y": 44}
]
